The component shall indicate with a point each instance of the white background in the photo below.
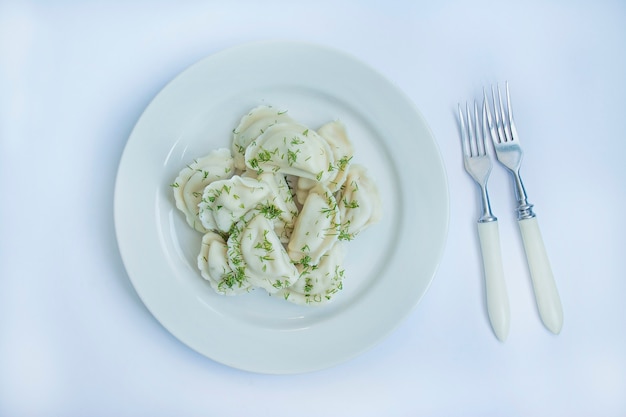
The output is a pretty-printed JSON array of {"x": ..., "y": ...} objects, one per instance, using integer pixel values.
[{"x": 75, "y": 339}]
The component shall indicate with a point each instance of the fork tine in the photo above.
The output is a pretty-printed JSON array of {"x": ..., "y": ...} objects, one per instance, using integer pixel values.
[
  {"x": 497, "y": 125},
  {"x": 480, "y": 139},
  {"x": 492, "y": 130},
  {"x": 505, "y": 120},
  {"x": 485, "y": 109},
  {"x": 472, "y": 132},
  {"x": 495, "y": 107},
  {"x": 510, "y": 109},
  {"x": 464, "y": 138}
]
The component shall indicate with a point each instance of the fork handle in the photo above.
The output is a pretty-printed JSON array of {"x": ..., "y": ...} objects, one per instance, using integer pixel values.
[
  {"x": 546, "y": 293},
  {"x": 495, "y": 287}
]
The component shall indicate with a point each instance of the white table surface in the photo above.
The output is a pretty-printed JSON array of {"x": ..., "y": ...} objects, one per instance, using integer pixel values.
[{"x": 75, "y": 339}]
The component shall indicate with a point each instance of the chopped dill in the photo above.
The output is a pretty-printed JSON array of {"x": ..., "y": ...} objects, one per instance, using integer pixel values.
[
  {"x": 350, "y": 204},
  {"x": 292, "y": 156},
  {"x": 270, "y": 211}
]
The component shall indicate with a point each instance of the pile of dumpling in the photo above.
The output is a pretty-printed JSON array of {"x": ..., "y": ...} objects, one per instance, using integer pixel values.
[{"x": 276, "y": 208}]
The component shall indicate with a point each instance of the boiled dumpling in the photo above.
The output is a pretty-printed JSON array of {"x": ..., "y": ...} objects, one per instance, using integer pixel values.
[
  {"x": 335, "y": 134},
  {"x": 359, "y": 202},
  {"x": 315, "y": 230},
  {"x": 225, "y": 202},
  {"x": 251, "y": 126},
  {"x": 291, "y": 149},
  {"x": 275, "y": 211},
  {"x": 192, "y": 180},
  {"x": 254, "y": 246},
  {"x": 282, "y": 206},
  {"x": 337, "y": 138},
  {"x": 214, "y": 267},
  {"x": 303, "y": 186},
  {"x": 318, "y": 284}
]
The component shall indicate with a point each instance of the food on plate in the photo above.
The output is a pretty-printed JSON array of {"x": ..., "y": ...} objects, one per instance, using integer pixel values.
[
  {"x": 250, "y": 127},
  {"x": 254, "y": 247},
  {"x": 337, "y": 138},
  {"x": 225, "y": 202},
  {"x": 317, "y": 283},
  {"x": 192, "y": 180},
  {"x": 315, "y": 231},
  {"x": 223, "y": 278},
  {"x": 276, "y": 209},
  {"x": 291, "y": 149},
  {"x": 358, "y": 201}
]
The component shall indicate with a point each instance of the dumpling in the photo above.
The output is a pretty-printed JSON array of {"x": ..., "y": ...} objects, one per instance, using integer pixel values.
[
  {"x": 214, "y": 267},
  {"x": 251, "y": 126},
  {"x": 317, "y": 285},
  {"x": 254, "y": 246},
  {"x": 337, "y": 138},
  {"x": 225, "y": 202},
  {"x": 192, "y": 180},
  {"x": 359, "y": 202},
  {"x": 303, "y": 187},
  {"x": 291, "y": 149},
  {"x": 335, "y": 134},
  {"x": 275, "y": 209},
  {"x": 315, "y": 230},
  {"x": 284, "y": 207}
]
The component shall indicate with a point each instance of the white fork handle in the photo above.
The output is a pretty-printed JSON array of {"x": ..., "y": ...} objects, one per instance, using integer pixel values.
[
  {"x": 546, "y": 293},
  {"x": 495, "y": 287}
]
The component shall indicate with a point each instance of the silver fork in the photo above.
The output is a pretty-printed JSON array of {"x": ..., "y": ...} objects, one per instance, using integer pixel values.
[
  {"x": 478, "y": 165},
  {"x": 509, "y": 153}
]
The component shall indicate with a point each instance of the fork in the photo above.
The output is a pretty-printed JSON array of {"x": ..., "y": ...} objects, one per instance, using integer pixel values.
[
  {"x": 478, "y": 165},
  {"x": 509, "y": 153}
]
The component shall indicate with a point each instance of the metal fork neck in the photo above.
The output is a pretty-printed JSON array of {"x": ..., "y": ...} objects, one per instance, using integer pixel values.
[
  {"x": 524, "y": 208},
  {"x": 525, "y": 211},
  {"x": 487, "y": 215}
]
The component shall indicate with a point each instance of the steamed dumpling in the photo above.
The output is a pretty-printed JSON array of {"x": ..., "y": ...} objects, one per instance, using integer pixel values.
[
  {"x": 317, "y": 284},
  {"x": 251, "y": 126},
  {"x": 291, "y": 149},
  {"x": 359, "y": 202},
  {"x": 315, "y": 230},
  {"x": 214, "y": 267},
  {"x": 254, "y": 246},
  {"x": 191, "y": 181}
]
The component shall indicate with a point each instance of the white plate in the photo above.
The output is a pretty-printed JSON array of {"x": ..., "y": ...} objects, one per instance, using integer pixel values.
[{"x": 388, "y": 267}]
